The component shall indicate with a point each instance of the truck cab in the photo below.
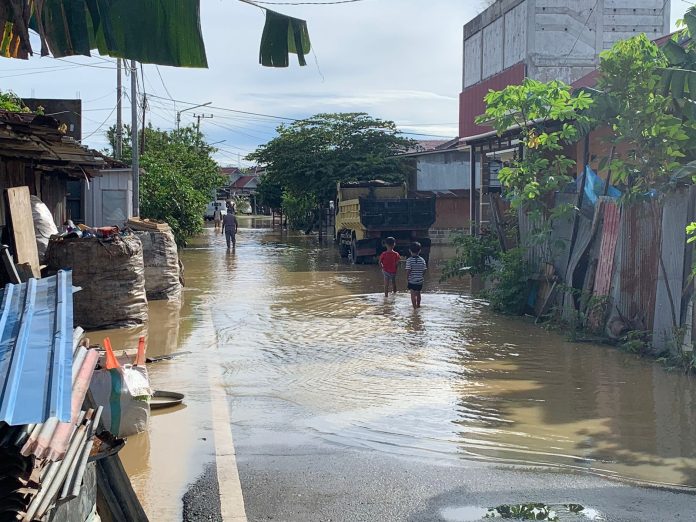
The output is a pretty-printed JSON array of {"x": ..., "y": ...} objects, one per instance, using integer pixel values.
[{"x": 367, "y": 212}]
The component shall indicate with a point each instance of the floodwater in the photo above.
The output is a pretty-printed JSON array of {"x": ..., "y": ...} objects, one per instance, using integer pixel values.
[{"x": 310, "y": 345}]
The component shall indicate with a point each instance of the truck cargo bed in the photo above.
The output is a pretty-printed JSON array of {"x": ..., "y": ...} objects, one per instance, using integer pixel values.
[{"x": 397, "y": 214}]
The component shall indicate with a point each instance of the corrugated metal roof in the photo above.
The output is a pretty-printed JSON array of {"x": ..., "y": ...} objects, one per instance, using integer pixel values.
[{"x": 36, "y": 350}]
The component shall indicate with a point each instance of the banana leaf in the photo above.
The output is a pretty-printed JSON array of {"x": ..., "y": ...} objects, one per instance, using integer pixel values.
[
  {"x": 165, "y": 32},
  {"x": 14, "y": 32},
  {"x": 282, "y": 35}
]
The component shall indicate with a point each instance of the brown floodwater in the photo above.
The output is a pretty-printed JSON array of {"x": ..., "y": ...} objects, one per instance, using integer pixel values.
[{"x": 294, "y": 325}]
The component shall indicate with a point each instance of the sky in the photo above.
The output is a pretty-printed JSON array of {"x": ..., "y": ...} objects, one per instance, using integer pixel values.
[{"x": 394, "y": 59}]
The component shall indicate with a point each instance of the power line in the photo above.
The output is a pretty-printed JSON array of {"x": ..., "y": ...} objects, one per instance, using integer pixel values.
[
  {"x": 100, "y": 126},
  {"x": 335, "y": 2},
  {"x": 231, "y": 110}
]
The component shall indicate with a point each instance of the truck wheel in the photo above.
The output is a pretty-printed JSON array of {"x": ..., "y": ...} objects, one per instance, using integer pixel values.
[
  {"x": 344, "y": 250},
  {"x": 354, "y": 257}
]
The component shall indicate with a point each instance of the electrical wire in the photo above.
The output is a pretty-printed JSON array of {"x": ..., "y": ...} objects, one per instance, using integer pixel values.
[
  {"x": 335, "y": 2},
  {"x": 100, "y": 126},
  {"x": 231, "y": 110}
]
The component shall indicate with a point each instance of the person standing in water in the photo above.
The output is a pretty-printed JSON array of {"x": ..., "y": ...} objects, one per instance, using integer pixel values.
[
  {"x": 415, "y": 271},
  {"x": 217, "y": 217},
  {"x": 229, "y": 227},
  {"x": 389, "y": 261}
]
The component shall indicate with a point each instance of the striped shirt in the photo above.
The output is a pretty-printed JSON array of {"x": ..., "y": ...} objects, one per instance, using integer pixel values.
[{"x": 415, "y": 267}]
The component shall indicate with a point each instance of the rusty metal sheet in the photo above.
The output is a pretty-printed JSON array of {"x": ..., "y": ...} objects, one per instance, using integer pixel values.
[
  {"x": 673, "y": 247},
  {"x": 610, "y": 234},
  {"x": 634, "y": 280},
  {"x": 534, "y": 252}
]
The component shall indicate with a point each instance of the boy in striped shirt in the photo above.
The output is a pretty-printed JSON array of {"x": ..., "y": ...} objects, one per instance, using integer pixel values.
[{"x": 415, "y": 271}]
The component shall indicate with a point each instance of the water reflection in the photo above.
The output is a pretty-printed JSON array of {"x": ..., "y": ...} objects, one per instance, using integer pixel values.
[{"x": 299, "y": 325}]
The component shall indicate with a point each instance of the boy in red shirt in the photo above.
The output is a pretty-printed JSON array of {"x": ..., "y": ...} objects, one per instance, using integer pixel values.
[{"x": 389, "y": 260}]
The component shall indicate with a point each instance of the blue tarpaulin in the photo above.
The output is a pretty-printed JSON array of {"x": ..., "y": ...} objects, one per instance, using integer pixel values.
[
  {"x": 36, "y": 336},
  {"x": 594, "y": 186}
]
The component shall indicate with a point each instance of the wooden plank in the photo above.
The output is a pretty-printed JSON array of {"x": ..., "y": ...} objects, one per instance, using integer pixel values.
[{"x": 22, "y": 228}]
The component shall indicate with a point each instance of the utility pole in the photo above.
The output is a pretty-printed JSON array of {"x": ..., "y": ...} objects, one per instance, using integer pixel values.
[
  {"x": 198, "y": 120},
  {"x": 134, "y": 141},
  {"x": 178, "y": 114},
  {"x": 118, "y": 148},
  {"x": 142, "y": 133}
]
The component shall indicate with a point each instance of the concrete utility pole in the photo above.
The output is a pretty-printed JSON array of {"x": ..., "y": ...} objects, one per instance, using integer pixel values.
[
  {"x": 198, "y": 119},
  {"x": 178, "y": 114},
  {"x": 134, "y": 141},
  {"x": 118, "y": 148},
  {"x": 142, "y": 133}
]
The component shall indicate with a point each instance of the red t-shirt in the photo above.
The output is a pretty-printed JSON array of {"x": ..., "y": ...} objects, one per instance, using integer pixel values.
[{"x": 389, "y": 261}]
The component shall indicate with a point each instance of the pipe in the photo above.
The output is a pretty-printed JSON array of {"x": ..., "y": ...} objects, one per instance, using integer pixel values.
[
  {"x": 77, "y": 478},
  {"x": 43, "y": 500}
]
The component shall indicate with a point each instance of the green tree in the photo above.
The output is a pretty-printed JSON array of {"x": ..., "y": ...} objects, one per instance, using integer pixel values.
[
  {"x": 308, "y": 157},
  {"x": 179, "y": 177},
  {"x": 651, "y": 142},
  {"x": 547, "y": 116}
]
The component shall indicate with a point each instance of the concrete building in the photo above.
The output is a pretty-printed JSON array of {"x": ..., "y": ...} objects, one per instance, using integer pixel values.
[
  {"x": 546, "y": 40},
  {"x": 442, "y": 171}
]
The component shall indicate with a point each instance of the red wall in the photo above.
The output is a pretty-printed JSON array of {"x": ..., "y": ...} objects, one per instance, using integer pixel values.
[
  {"x": 452, "y": 212},
  {"x": 471, "y": 102}
]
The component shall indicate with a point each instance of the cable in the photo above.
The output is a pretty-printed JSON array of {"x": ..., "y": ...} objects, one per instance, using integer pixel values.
[
  {"x": 335, "y": 2},
  {"x": 230, "y": 110},
  {"x": 100, "y": 126}
]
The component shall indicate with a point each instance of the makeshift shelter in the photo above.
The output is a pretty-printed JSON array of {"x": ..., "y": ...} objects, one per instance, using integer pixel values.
[{"x": 35, "y": 153}]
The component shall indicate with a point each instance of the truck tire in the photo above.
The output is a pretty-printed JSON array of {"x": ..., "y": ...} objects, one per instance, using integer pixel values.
[{"x": 354, "y": 258}]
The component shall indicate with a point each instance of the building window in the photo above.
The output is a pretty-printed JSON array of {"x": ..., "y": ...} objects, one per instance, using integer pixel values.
[
  {"x": 73, "y": 201},
  {"x": 114, "y": 207}
]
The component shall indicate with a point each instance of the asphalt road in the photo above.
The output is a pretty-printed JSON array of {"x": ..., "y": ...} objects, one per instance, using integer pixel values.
[{"x": 320, "y": 482}]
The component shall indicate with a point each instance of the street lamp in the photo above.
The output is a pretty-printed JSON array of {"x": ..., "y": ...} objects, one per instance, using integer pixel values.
[{"x": 178, "y": 114}]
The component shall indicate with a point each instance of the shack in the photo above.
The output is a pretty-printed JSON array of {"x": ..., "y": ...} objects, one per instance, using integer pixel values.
[{"x": 34, "y": 152}]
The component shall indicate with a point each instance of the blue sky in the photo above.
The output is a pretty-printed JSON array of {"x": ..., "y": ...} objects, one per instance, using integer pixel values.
[{"x": 395, "y": 59}]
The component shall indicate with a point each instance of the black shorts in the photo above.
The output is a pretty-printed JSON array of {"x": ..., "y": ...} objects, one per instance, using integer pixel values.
[{"x": 415, "y": 287}]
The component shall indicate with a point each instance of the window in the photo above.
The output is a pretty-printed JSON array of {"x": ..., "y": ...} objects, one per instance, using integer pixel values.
[
  {"x": 74, "y": 201},
  {"x": 114, "y": 207}
]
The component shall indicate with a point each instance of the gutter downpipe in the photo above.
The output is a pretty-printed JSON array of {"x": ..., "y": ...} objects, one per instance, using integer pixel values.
[{"x": 472, "y": 190}]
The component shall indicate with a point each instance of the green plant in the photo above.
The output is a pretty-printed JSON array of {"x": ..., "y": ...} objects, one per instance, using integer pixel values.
[
  {"x": 474, "y": 255},
  {"x": 547, "y": 115},
  {"x": 299, "y": 210},
  {"x": 510, "y": 276},
  {"x": 179, "y": 177},
  {"x": 9, "y": 101},
  {"x": 637, "y": 342}
]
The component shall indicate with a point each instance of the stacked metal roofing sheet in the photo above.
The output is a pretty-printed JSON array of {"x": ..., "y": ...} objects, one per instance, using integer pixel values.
[{"x": 36, "y": 345}]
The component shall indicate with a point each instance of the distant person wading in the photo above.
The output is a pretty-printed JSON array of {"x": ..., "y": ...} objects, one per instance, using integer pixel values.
[{"x": 229, "y": 227}]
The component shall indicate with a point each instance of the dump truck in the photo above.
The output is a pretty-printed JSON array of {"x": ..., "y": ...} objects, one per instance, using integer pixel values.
[{"x": 367, "y": 212}]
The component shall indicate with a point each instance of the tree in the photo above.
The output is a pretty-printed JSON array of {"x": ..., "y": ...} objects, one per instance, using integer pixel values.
[
  {"x": 547, "y": 116},
  {"x": 308, "y": 157},
  {"x": 180, "y": 176},
  {"x": 651, "y": 141}
]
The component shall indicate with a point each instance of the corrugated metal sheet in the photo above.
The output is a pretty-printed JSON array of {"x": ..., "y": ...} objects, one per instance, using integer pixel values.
[
  {"x": 535, "y": 252},
  {"x": 634, "y": 278},
  {"x": 36, "y": 350},
  {"x": 673, "y": 244},
  {"x": 610, "y": 233}
]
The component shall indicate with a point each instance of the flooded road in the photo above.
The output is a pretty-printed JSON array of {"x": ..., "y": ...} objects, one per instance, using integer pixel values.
[
  {"x": 314, "y": 356},
  {"x": 313, "y": 336}
]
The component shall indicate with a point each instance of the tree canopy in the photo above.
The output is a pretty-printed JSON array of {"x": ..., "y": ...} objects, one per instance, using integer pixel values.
[
  {"x": 308, "y": 157},
  {"x": 180, "y": 177}
]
